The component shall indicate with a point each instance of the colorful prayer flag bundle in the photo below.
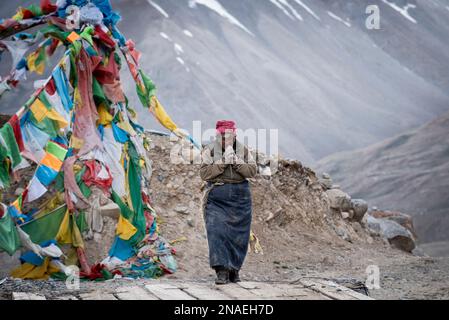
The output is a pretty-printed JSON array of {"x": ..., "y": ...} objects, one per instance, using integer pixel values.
[{"x": 80, "y": 132}]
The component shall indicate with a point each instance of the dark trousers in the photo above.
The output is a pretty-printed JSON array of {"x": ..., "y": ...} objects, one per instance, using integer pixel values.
[{"x": 228, "y": 215}]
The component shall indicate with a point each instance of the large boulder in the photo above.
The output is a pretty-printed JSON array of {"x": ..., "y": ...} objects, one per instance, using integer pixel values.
[
  {"x": 397, "y": 235},
  {"x": 339, "y": 200},
  {"x": 403, "y": 219},
  {"x": 360, "y": 208},
  {"x": 326, "y": 181}
]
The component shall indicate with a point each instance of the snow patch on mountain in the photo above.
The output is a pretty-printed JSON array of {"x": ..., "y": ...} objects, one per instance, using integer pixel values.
[
  {"x": 334, "y": 16},
  {"x": 293, "y": 11},
  {"x": 310, "y": 11},
  {"x": 183, "y": 63},
  {"x": 158, "y": 8},
  {"x": 403, "y": 11},
  {"x": 188, "y": 33},
  {"x": 165, "y": 36},
  {"x": 214, "y": 5},
  {"x": 180, "y": 60},
  {"x": 285, "y": 11},
  {"x": 178, "y": 48}
]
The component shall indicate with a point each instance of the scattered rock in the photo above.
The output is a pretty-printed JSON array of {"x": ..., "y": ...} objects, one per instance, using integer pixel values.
[
  {"x": 353, "y": 284},
  {"x": 339, "y": 200},
  {"x": 403, "y": 219},
  {"x": 272, "y": 215},
  {"x": 343, "y": 234},
  {"x": 26, "y": 296},
  {"x": 351, "y": 214},
  {"x": 326, "y": 181},
  {"x": 360, "y": 207},
  {"x": 345, "y": 215},
  {"x": 397, "y": 235},
  {"x": 182, "y": 210},
  {"x": 110, "y": 210},
  {"x": 316, "y": 186}
]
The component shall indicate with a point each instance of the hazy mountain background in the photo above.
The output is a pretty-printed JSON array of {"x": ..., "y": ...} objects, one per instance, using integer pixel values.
[
  {"x": 409, "y": 172},
  {"x": 314, "y": 71}
]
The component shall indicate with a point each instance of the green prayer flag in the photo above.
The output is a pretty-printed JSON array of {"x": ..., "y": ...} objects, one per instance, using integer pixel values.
[
  {"x": 44, "y": 100},
  {"x": 54, "y": 32},
  {"x": 81, "y": 221},
  {"x": 99, "y": 96},
  {"x": 150, "y": 89},
  {"x": 47, "y": 227},
  {"x": 85, "y": 190},
  {"x": 47, "y": 125},
  {"x": 36, "y": 10},
  {"x": 9, "y": 236},
  {"x": 56, "y": 150},
  {"x": 4, "y": 167},
  {"x": 126, "y": 212},
  {"x": 41, "y": 58},
  {"x": 13, "y": 152},
  {"x": 134, "y": 179}
]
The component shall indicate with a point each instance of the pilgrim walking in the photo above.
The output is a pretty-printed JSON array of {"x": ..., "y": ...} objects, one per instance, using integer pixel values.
[{"x": 227, "y": 164}]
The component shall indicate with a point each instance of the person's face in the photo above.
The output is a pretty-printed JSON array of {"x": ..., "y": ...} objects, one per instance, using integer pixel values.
[{"x": 228, "y": 138}]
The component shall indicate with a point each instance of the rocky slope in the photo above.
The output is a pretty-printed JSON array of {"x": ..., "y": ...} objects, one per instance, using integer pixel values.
[
  {"x": 301, "y": 236},
  {"x": 308, "y": 68},
  {"x": 409, "y": 173}
]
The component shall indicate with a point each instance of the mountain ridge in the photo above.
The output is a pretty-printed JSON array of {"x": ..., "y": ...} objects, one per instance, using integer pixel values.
[
  {"x": 409, "y": 172},
  {"x": 326, "y": 86}
]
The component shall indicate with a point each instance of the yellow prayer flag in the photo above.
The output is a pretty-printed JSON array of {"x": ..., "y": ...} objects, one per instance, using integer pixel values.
[
  {"x": 125, "y": 230},
  {"x": 161, "y": 115},
  {"x": 31, "y": 63},
  {"x": 39, "y": 110},
  {"x": 104, "y": 117},
  {"x": 76, "y": 143},
  {"x": 64, "y": 235},
  {"x": 55, "y": 116},
  {"x": 69, "y": 232},
  {"x": 29, "y": 271}
]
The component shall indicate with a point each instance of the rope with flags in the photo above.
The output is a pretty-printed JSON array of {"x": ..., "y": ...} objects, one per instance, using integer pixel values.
[{"x": 81, "y": 134}]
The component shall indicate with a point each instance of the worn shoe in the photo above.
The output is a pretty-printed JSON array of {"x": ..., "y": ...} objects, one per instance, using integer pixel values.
[
  {"x": 234, "y": 276},
  {"x": 222, "y": 277}
]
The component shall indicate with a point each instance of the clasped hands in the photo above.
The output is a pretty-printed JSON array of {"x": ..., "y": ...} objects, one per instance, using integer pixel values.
[{"x": 229, "y": 157}]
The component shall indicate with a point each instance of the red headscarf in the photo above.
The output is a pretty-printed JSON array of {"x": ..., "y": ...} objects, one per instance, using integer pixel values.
[{"x": 223, "y": 126}]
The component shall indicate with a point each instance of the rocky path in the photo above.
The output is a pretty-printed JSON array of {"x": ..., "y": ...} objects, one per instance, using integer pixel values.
[{"x": 303, "y": 289}]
